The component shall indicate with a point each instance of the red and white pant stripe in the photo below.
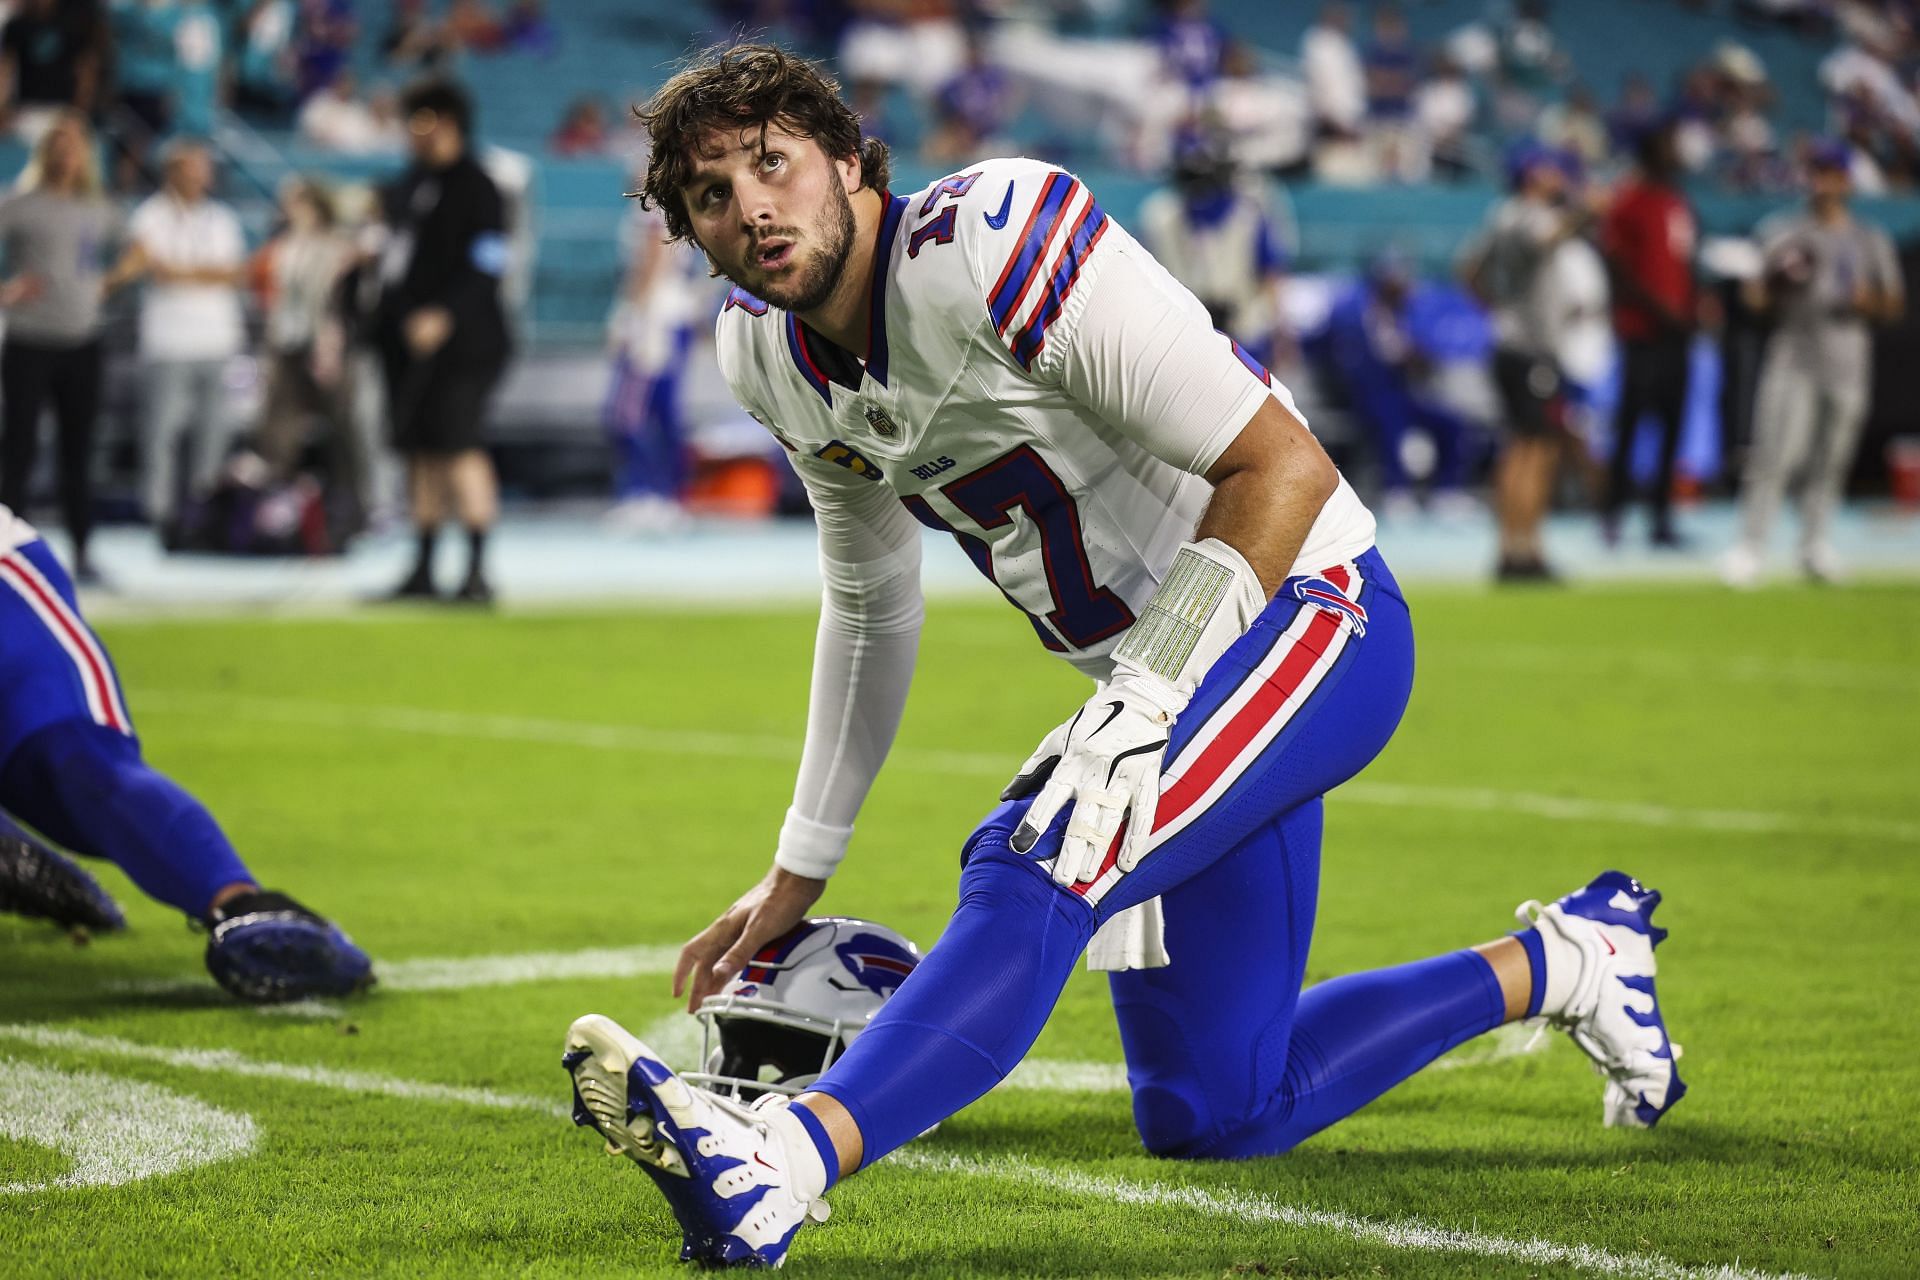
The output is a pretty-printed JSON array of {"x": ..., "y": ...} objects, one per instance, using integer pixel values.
[
  {"x": 1242, "y": 727},
  {"x": 70, "y": 631}
]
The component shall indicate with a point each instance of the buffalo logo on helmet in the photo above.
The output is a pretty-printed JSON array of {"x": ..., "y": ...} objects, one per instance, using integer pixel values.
[{"x": 877, "y": 964}]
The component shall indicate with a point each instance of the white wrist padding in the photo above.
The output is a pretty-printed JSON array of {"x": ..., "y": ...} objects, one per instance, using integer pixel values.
[
  {"x": 809, "y": 848},
  {"x": 1208, "y": 599}
]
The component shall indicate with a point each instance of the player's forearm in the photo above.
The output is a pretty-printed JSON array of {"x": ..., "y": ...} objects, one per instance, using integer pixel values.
[
  {"x": 862, "y": 669},
  {"x": 1268, "y": 489}
]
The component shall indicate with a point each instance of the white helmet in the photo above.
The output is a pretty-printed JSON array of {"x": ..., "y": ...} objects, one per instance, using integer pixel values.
[{"x": 797, "y": 1005}]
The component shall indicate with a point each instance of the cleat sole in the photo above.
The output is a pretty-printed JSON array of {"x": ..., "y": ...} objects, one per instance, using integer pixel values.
[{"x": 605, "y": 1060}]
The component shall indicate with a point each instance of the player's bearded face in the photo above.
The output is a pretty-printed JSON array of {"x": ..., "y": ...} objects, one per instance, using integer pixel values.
[{"x": 777, "y": 221}]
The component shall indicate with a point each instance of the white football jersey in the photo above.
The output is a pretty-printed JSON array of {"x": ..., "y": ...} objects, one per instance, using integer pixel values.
[
  {"x": 14, "y": 532},
  {"x": 1065, "y": 454}
]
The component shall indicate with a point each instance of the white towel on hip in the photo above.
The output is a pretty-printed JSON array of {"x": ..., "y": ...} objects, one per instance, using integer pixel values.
[{"x": 1134, "y": 939}]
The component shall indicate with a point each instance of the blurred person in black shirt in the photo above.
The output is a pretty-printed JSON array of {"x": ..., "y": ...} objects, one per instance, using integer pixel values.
[
  {"x": 51, "y": 57},
  {"x": 440, "y": 329}
]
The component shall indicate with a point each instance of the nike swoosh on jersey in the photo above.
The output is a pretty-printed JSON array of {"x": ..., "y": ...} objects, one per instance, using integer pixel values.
[{"x": 999, "y": 220}]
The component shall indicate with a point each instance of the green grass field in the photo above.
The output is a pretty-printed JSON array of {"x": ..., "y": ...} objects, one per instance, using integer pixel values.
[{"x": 594, "y": 786}]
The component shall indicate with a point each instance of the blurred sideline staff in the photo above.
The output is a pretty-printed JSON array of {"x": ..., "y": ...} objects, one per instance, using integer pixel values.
[
  {"x": 191, "y": 250},
  {"x": 1649, "y": 239},
  {"x": 441, "y": 331},
  {"x": 55, "y": 229},
  {"x": 1505, "y": 267},
  {"x": 1827, "y": 278},
  {"x": 1215, "y": 233}
]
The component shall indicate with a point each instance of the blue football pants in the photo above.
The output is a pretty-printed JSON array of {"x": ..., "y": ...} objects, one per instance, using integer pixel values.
[{"x": 1226, "y": 1055}]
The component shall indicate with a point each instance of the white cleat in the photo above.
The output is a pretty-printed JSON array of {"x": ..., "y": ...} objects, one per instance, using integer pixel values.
[
  {"x": 1822, "y": 564},
  {"x": 1612, "y": 1012},
  {"x": 1740, "y": 567},
  {"x": 719, "y": 1167}
]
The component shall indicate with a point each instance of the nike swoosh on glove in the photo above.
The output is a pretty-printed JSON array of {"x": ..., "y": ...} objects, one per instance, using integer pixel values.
[{"x": 1110, "y": 756}]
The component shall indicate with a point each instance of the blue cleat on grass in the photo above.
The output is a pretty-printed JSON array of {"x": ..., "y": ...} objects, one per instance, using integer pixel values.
[
  {"x": 38, "y": 883},
  {"x": 1613, "y": 1013},
  {"x": 265, "y": 948},
  {"x": 719, "y": 1167}
]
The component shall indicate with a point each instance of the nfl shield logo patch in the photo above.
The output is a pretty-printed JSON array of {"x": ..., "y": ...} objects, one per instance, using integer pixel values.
[{"x": 882, "y": 425}]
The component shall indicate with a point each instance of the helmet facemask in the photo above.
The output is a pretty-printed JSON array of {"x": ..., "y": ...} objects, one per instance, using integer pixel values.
[{"x": 797, "y": 1006}]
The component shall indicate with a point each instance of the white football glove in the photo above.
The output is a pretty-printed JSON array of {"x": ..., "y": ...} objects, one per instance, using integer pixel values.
[{"x": 1108, "y": 769}]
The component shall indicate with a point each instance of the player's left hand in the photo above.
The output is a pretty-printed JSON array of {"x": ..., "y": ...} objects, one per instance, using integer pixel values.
[
  {"x": 1109, "y": 772},
  {"x": 711, "y": 957}
]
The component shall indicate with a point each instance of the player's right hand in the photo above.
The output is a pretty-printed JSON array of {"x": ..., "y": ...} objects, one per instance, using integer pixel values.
[
  {"x": 1039, "y": 766},
  {"x": 711, "y": 957}
]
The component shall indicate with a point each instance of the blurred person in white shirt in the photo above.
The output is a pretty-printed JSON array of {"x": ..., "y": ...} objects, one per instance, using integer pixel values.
[
  {"x": 305, "y": 347},
  {"x": 191, "y": 251},
  {"x": 1336, "y": 82},
  {"x": 337, "y": 119},
  {"x": 1444, "y": 107}
]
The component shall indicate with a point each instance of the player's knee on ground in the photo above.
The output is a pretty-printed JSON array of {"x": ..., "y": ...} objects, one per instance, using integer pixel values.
[
  {"x": 1176, "y": 1123},
  {"x": 1171, "y": 1111}
]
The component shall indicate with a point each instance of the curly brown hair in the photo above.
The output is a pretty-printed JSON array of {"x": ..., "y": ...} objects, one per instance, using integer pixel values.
[{"x": 745, "y": 86}]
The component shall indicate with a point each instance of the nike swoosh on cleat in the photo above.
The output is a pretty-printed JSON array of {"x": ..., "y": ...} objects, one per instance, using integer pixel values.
[
  {"x": 761, "y": 1161},
  {"x": 999, "y": 220},
  {"x": 1609, "y": 941}
]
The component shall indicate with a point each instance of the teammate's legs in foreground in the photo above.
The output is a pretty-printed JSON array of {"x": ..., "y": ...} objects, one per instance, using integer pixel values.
[{"x": 1228, "y": 1058}]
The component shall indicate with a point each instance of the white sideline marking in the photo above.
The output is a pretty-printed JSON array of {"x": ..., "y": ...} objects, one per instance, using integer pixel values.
[
  {"x": 1625, "y": 812},
  {"x": 227, "y": 1062},
  {"x": 1813, "y": 673},
  {"x": 988, "y": 765},
  {"x": 1514, "y": 1040},
  {"x": 317, "y": 1009},
  {"x": 113, "y": 1130},
  {"x": 1058, "y": 1075},
  {"x": 461, "y": 973},
  {"x": 1406, "y": 1233}
]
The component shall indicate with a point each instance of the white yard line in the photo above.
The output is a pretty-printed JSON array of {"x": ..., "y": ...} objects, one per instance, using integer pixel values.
[
  {"x": 1624, "y": 812},
  {"x": 315, "y": 1009},
  {"x": 460, "y": 973},
  {"x": 989, "y": 766},
  {"x": 1409, "y": 1234},
  {"x": 227, "y": 1062},
  {"x": 1813, "y": 673},
  {"x": 112, "y": 1130}
]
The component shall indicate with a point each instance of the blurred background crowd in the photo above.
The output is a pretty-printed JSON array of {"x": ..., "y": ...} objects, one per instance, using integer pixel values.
[{"x": 1484, "y": 241}]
